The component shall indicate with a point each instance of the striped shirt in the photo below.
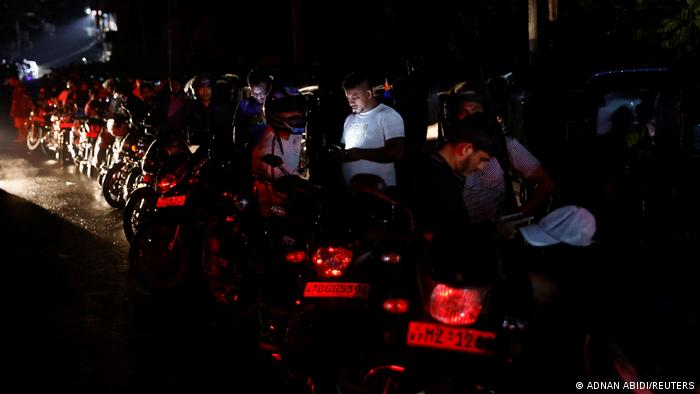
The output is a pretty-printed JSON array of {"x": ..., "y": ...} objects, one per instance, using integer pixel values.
[{"x": 485, "y": 191}]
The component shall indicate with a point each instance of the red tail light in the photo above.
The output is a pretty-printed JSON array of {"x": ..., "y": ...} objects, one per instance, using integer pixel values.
[
  {"x": 331, "y": 262},
  {"x": 93, "y": 130},
  {"x": 167, "y": 182},
  {"x": 456, "y": 306},
  {"x": 296, "y": 256},
  {"x": 396, "y": 305}
]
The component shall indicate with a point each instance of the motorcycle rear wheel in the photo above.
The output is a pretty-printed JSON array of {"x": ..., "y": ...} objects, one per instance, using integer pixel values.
[
  {"x": 112, "y": 186},
  {"x": 34, "y": 135},
  {"x": 159, "y": 256},
  {"x": 138, "y": 208}
]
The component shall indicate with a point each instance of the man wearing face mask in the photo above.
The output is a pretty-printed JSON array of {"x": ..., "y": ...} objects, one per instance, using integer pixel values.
[{"x": 285, "y": 114}]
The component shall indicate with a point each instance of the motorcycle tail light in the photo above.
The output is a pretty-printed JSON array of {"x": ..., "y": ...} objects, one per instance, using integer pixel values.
[
  {"x": 396, "y": 305},
  {"x": 331, "y": 262},
  {"x": 456, "y": 306},
  {"x": 167, "y": 182},
  {"x": 296, "y": 256}
]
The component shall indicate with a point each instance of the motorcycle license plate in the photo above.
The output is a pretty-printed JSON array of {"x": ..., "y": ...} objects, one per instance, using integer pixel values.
[
  {"x": 459, "y": 339},
  {"x": 336, "y": 289},
  {"x": 172, "y": 201}
]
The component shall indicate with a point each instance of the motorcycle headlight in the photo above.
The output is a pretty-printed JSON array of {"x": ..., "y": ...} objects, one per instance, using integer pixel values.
[
  {"x": 332, "y": 261},
  {"x": 456, "y": 306}
]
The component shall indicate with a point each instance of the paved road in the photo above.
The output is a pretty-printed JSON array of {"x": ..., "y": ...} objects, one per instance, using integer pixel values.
[{"x": 73, "y": 321}]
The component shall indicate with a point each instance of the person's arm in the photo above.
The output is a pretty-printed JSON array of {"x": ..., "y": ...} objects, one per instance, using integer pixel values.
[
  {"x": 391, "y": 152},
  {"x": 531, "y": 169},
  {"x": 544, "y": 186}
]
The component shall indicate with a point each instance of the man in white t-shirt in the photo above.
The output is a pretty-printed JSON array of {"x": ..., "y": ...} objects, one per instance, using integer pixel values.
[{"x": 373, "y": 134}]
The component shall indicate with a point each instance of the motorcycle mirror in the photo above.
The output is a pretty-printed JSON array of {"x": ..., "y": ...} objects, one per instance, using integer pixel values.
[{"x": 272, "y": 160}]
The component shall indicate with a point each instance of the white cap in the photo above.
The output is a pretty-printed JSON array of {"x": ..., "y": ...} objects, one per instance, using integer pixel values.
[{"x": 570, "y": 224}]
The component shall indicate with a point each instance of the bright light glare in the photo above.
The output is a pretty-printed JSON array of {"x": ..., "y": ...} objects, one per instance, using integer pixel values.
[
  {"x": 432, "y": 132},
  {"x": 88, "y": 11}
]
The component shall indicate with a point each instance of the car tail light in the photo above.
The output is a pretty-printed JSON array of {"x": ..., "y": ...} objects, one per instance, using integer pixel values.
[
  {"x": 167, "y": 182},
  {"x": 457, "y": 306},
  {"x": 332, "y": 261},
  {"x": 396, "y": 305}
]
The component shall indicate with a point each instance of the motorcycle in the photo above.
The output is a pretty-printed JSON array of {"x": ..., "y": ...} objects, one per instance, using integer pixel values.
[
  {"x": 467, "y": 330},
  {"x": 165, "y": 253},
  {"x": 348, "y": 280},
  {"x": 38, "y": 127},
  {"x": 142, "y": 198},
  {"x": 89, "y": 129},
  {"x": 126, "y": 166}
]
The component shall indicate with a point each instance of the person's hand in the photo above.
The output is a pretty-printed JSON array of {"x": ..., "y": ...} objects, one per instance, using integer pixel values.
[
  {"x": 338, "y": 153},
  {"x": 506, "y": 227}
]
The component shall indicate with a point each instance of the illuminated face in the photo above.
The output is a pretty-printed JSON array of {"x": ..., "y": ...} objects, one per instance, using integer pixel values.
[
  {"x": 468, "y": 108},
  {"x": 470, "y": 160},
  {"x": 360, "y": 98},
  {"x": 204, "y": 92},
  {"x": 259, "y": 92}
]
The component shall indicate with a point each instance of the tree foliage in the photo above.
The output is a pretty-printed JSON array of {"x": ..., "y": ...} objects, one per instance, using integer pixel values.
[{"x": 678, "y": 29}]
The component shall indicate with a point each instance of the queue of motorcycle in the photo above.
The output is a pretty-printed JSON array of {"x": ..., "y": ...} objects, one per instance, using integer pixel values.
[
  {"x": 122, "y": 175},
  {"x": 345, "y": 294}
]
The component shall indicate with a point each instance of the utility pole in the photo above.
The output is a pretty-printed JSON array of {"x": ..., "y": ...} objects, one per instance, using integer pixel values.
[
  {"x": 532, "y": 29},
  {"x": 553, "y": 10}
]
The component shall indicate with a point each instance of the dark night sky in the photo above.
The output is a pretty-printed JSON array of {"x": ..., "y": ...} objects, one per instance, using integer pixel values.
[
  {"x": 450, "y": 37},
  {"x": 379, "y": 33}
]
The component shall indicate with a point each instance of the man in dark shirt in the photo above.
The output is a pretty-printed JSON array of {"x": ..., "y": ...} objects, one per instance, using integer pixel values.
[{"x": 437, "y": 195}]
